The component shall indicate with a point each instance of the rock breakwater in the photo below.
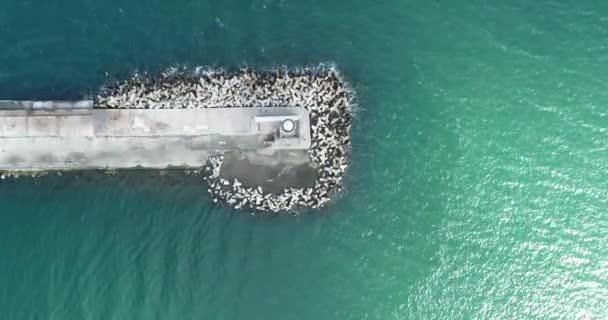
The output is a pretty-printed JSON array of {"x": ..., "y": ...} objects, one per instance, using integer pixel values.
[{"x": 321, "y": 90}]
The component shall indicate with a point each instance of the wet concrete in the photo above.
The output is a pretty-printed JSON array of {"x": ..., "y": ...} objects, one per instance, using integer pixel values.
[{"x": 273, "y": 172}]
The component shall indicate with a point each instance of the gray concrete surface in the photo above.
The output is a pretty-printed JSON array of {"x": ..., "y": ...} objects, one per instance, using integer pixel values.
[{"x": 39, "y": 138}]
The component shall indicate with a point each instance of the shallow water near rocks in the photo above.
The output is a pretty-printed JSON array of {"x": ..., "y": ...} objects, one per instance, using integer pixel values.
[{"x": 477, "y": 188}]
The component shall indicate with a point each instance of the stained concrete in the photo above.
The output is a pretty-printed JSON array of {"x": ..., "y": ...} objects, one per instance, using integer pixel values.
[
  {"x": 85, "y": 138},
  {"x": 273, "y": 172}
]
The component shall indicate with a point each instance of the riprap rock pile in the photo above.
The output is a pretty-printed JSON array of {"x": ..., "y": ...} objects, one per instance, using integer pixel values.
[{"x": 320, "y": 90}]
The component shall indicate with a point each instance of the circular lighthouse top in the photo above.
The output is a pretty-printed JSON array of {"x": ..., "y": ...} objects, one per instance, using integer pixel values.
[{"x": 288, "y": 125}]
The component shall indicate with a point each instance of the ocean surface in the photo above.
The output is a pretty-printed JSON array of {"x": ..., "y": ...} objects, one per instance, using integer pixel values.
[{"x": 478, "y": 187}]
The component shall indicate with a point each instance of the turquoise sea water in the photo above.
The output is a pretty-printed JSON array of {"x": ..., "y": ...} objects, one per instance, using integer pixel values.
[{"x": 478, "y": 188}]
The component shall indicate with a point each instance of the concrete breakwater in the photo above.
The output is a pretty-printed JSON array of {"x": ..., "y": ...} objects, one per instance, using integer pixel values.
[
  {"x": 320, "y": 91},
  {"x": 66, "y": 136}
]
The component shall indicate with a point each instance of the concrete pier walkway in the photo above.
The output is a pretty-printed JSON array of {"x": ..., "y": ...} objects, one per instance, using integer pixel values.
[{"x": 75, "y": 136}]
